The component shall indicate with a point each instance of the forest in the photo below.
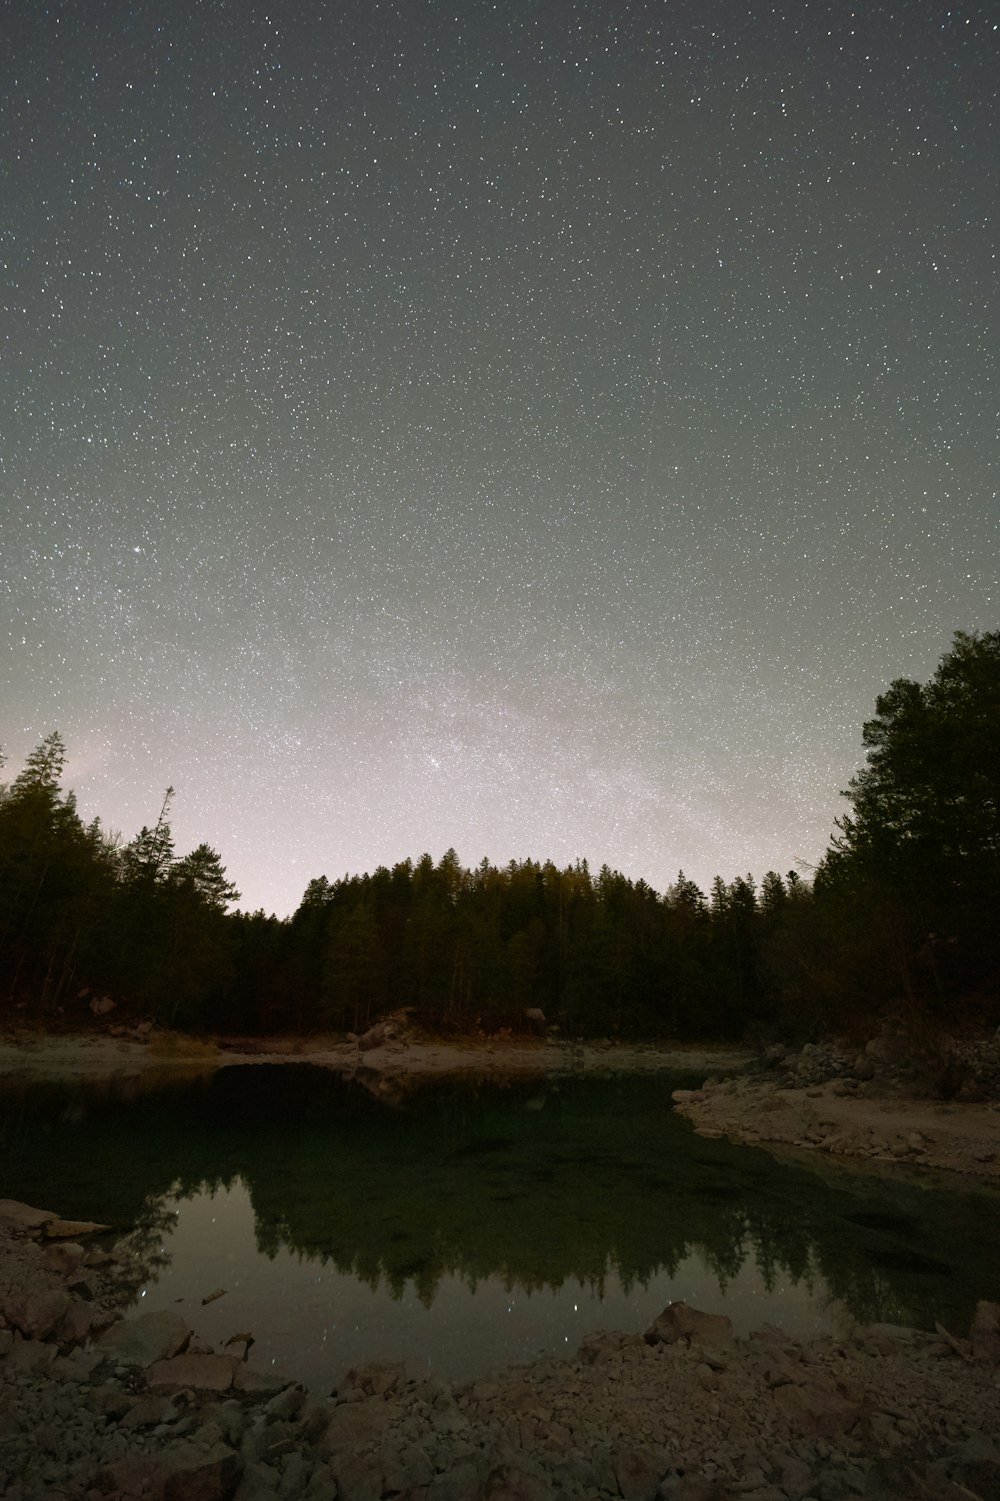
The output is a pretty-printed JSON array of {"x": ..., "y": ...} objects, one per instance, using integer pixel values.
[{"x": 900, "y": 916}]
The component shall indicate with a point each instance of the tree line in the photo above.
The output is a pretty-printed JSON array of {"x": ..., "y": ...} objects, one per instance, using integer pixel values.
[{"x": 900, "y": 914}]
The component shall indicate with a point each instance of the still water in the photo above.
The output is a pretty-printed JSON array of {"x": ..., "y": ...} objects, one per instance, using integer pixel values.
[{"x": 473, "y": 1225}]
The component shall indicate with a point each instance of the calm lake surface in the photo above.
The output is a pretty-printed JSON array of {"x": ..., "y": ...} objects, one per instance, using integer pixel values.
[{"x": 474, "y": 1225}]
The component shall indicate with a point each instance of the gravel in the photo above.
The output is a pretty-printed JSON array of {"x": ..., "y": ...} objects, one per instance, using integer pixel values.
[{"x": 686, "y": 1413}]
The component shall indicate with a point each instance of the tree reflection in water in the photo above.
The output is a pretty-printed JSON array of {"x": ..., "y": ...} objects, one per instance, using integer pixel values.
[{"x": 536, "y": 1186}]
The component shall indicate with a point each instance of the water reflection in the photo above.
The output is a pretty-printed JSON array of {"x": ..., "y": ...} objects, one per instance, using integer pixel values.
[{"x": 269, "y": 1178}]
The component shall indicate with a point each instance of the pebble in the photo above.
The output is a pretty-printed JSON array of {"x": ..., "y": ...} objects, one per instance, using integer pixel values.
[{"x": 625, "y": 1418}]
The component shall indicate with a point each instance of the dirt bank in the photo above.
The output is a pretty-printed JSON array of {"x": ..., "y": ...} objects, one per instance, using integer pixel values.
[{"x": 94, "y": 1407}]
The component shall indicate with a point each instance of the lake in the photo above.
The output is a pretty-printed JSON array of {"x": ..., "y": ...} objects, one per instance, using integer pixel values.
[{"x": 474, "y": 1225}]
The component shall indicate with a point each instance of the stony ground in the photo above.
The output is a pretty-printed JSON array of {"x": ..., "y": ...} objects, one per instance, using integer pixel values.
[
  {"x": 93, "y": 1406},
  {"x": 883, "y": 1102}
]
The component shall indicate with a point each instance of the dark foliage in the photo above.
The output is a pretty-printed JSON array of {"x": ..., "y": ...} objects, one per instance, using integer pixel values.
[{"x": 902, "y": 914}]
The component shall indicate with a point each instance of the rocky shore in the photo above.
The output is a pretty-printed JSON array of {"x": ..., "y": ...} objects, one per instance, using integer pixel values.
[
  {"x": 888, "y": 1101},
  {"x": 96, "y": 1406},
  {"x": 393, "y": 1055}
]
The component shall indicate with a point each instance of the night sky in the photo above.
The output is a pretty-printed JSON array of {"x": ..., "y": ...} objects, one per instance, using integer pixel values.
[{"x": 534, "y": 428}]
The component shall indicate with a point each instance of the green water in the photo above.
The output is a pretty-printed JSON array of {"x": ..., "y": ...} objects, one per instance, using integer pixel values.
[{"x": 474, "y": 1225}]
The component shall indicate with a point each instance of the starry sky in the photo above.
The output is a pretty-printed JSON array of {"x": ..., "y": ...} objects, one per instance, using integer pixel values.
[{"x": 539, "y": 428}]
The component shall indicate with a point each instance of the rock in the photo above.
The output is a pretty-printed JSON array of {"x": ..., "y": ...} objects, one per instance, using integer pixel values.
[
  {"x": 377, "y": 1378},
  {"x": 30, "y": 1355},
  {"x": 796, "y": 1477},
  {"x": 406, "y": 1468},
  {"x": 136, "y": 1475},
  {"x": 601, "y": 1346},
  {"x": 373, "y": 1038},
  {"x": 897, "y": 1480},
  {"x": 22, "y": 1216},
  {"x": 230, "y": 1416},
  {"x": 203, "y": 1477},
  {"x": 57, "y": 1229},
  {"x": 510, "y": 1482},
  {"x": 287, "y": 1404},
  {"x": 358, "y": 1476},
  {"x": 295, "y": 1476},
  {"x": 780, "y": 1363},
  {"x": 66, "y": 1257},
  {"x": 261, "y": 1436},
  {"x": 638, "y": 1473},
  {"x": 145, "y": 1339},
  {"x": 679, "y": 1322},
  {"x": 77, "y": 1366},
  {"x": 315, "y": 1423},
  {"x": 895, "y": 1334},
  {"x": 259, "y": 1483},
  {"x": 979, "y": 1476},
  {"x": 692, "y": 1488},
  {"x": 889, "y": 1047},
  {"x": 214, "y": 1373},
  {"x": 80, "y": 1321},
  {"x": 150, "y": 1411},
  {"x": 36, "y": 1311},
  {"x": 960, "y": 1347},
  {"x": 258, "y": 1383},
  {"x": 110, "y": 1400},
  {"x": 814, "y": 1406},
  {"x": 354, "y": 1424},
  {"x": 984, "y": 1331},
  {"x": 460, "y": 1482}
]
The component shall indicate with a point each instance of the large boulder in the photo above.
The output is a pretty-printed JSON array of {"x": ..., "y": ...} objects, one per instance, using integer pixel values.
[
  {"x": 680, "y": 1322},
  {"x": 142, "y": 1340},
  {"x": 36, "y": 1311}
]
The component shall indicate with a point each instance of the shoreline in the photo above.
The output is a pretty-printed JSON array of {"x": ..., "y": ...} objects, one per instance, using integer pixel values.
[
  {"x": 877, "y": 1121},
  {"x": 93, "y": 1404},
  {"x": 91, "y": 1055}
]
